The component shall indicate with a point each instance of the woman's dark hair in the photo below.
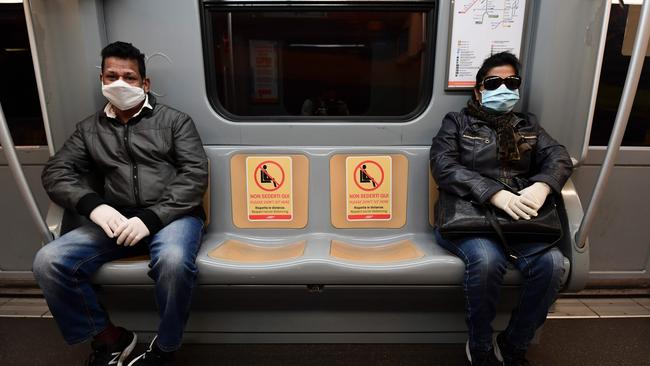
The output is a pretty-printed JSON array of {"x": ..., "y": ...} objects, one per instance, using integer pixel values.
[
  {"x": 496, "y": 60},
  {"x": 125, "y": 51}
]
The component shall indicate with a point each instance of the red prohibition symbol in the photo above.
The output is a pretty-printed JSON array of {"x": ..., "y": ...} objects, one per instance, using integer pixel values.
[
  {"x": 276, "y": 184},
  {"x": 375, "y": 183}
]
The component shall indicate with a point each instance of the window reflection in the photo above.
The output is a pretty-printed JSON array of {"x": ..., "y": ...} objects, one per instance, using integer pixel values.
[
  {"x": 319, "y": 63},
  {"x": 612, "y": 78},
  {"x": 18, "y": 93}
]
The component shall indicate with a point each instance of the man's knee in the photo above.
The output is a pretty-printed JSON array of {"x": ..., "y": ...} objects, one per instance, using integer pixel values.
[
  {"x": 45, "y": 262},
  {"x": 174, "y": 262}
]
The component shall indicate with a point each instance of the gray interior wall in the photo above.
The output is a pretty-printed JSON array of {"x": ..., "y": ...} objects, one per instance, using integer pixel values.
[
  {"x": 562, "y": 67},
  {"x": 620, "y": 239},
  {"x": 559, "y": 76},
  {"x": 19, "y": 238},
  {"x": 292, "y": 314},
  {"x": 69, "y": 38},
  {"x": 560, "y": 28}
]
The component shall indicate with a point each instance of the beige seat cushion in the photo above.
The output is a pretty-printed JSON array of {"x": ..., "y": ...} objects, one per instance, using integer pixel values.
[
  {"x": 387, "y": 253},
  {"x": 237, "y": 251}
]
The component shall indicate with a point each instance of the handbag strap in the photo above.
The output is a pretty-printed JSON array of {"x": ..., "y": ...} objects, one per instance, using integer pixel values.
[
  {"x": 489, "y": 214},
  {"x": 511, "y": 253}
]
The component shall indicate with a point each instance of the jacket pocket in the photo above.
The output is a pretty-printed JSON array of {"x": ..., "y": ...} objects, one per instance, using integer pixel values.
[{"x": 472, "y": 146}]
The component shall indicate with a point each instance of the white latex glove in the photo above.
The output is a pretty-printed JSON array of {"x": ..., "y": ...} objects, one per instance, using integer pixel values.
[
  {"x": 108, "y": 218},
  {"x": 515, "y": 206},
  {"x": 131, "y": 232},
  {"x": 536, "y": 193}
]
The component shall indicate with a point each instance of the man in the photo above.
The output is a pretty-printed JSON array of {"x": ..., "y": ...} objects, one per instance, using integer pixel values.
[{"x": 154, "y": 173}]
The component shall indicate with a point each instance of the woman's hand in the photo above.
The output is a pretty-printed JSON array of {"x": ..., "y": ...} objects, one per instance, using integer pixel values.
[
  {"x": 536, "y": 193},
  {"x": 515, "y": 206}
]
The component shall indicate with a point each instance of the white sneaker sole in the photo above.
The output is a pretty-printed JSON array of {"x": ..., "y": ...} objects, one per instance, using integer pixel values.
[
  {"x": 497, "y": 351},
  {"x": 144, "y": 353},
  {"x": 127, "y": 351},
  {"x": 136, "y": 359}
]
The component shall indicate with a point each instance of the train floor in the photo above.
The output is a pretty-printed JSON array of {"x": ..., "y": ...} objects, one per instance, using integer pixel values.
[{"x": 599, "y": 331}]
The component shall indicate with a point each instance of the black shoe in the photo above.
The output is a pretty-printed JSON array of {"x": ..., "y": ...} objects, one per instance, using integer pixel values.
[
  {"x": 510, "y": 355},
  {"x": 154, "y": 356},
  {"x": 105, "y": 354},
  {"x": 482, "y": 358}
]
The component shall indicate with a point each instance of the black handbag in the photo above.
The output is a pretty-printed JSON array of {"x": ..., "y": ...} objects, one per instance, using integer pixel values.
[{"x": 457, "y": 217}]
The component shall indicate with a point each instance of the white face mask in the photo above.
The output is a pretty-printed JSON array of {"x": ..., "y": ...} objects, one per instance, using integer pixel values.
[{"x": 122, "y": 95}]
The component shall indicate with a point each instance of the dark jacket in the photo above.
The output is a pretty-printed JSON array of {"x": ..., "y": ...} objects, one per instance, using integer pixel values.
[
  {"x": 154, "y": 167},
  {"x": 463, "y": 157}
]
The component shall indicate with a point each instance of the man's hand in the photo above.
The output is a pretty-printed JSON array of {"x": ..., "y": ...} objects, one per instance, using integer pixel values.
[
  {"x": 515, "y": 206},
  {"x": 131, "y": 232},
  {"x": 536, "y": 193},
  {"x": 108, "y": 218}
]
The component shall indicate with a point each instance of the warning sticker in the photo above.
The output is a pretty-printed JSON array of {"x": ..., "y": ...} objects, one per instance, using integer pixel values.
[
  {"x": 269, "y": 192},
  {"x": 368, "y": 188}
]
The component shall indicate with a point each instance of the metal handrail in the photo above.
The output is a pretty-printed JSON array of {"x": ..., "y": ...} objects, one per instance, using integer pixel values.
[
  {"x": 622, "y": 116},
  {"x": 14, "y": 165},
  {"x": 37, "y": 73}
]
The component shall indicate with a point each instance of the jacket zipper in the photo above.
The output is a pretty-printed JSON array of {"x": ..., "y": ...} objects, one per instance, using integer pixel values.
[
  {"x": 528, "y": 137},
  {"x": 477, "y": 138},
  {"x": 134, "y": 166}
]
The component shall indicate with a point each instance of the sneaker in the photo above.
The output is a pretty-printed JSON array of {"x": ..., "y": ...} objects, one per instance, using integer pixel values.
[
  {"x": 105, "y": 354},
  {"x": 510, "y": 355},
  {"x": 154, "y": 356},
  {"x": 481, "y": 358}
]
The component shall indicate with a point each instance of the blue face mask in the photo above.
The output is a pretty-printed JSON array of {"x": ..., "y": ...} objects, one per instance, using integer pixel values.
[{"x": 500, "y": 99}]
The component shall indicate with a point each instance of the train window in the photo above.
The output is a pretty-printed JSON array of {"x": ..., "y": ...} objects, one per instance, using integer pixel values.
[
  {"x": 319, "y": 63},
  {"x": 623, "y": 22},
  {"x": 18, "y": 93}
]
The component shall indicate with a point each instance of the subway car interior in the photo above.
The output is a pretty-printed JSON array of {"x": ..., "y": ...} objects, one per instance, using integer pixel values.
[{"x": 345, "y": 97}]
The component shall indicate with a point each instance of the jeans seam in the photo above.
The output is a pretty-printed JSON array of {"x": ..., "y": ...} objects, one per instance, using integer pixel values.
[
  {"x": 466, "y": 292},
  {"x": 193, "y": 284},
  {"x": 553, "y": 263},
  {"x": 516, "y": 315},
  {"x": 89, "y": 317},
  {"x": 482, "y": 242},
  {"x": 168, "y": 349},
  {"x": 86, "y": 260},
  {"x": 85, "y": 337},
  {"x": 91, "y": 320}
]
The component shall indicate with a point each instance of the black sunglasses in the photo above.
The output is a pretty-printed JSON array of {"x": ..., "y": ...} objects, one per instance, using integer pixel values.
[{"x": 493, "y": 82}]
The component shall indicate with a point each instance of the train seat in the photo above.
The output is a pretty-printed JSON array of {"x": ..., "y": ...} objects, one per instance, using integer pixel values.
[
  {"x": 318, "y": 252},
  {"x": 223, "y": 260}
]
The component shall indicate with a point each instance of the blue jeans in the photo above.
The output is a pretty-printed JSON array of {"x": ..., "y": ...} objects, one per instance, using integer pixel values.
[
  {"x": 64, "y": 267},
  {"x": 485, "y": 265}
]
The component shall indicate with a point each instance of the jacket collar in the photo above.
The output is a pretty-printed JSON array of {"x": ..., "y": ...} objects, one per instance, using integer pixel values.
[
  {"x": 518, "y": 118},
  {"x": 473, "y": 120},
  {"x": 147, "y": 109}
]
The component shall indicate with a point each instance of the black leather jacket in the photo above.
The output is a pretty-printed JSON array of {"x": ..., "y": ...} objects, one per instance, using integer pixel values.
[
  {"x": 463, "y": 158},
  {"x": 154, "y": 167}
]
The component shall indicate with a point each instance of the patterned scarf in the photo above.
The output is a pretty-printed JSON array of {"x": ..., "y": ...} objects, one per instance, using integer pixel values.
[{"x": 510, "y": 145}]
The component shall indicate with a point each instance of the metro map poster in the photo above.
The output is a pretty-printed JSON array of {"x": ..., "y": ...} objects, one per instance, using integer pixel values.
[{"x": 481, "y": 28}]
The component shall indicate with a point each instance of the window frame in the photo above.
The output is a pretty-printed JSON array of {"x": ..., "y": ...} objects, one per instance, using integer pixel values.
[{"x": 206, "y": 7}]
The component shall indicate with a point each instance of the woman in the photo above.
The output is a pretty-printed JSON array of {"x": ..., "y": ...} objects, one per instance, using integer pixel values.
[{"x": 479, "y": 154}]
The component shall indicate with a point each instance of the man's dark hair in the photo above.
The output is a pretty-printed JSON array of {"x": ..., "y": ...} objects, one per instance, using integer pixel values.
[
  {"x": 496, "y": 60},
  {"x": 125, "y": 51}
]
